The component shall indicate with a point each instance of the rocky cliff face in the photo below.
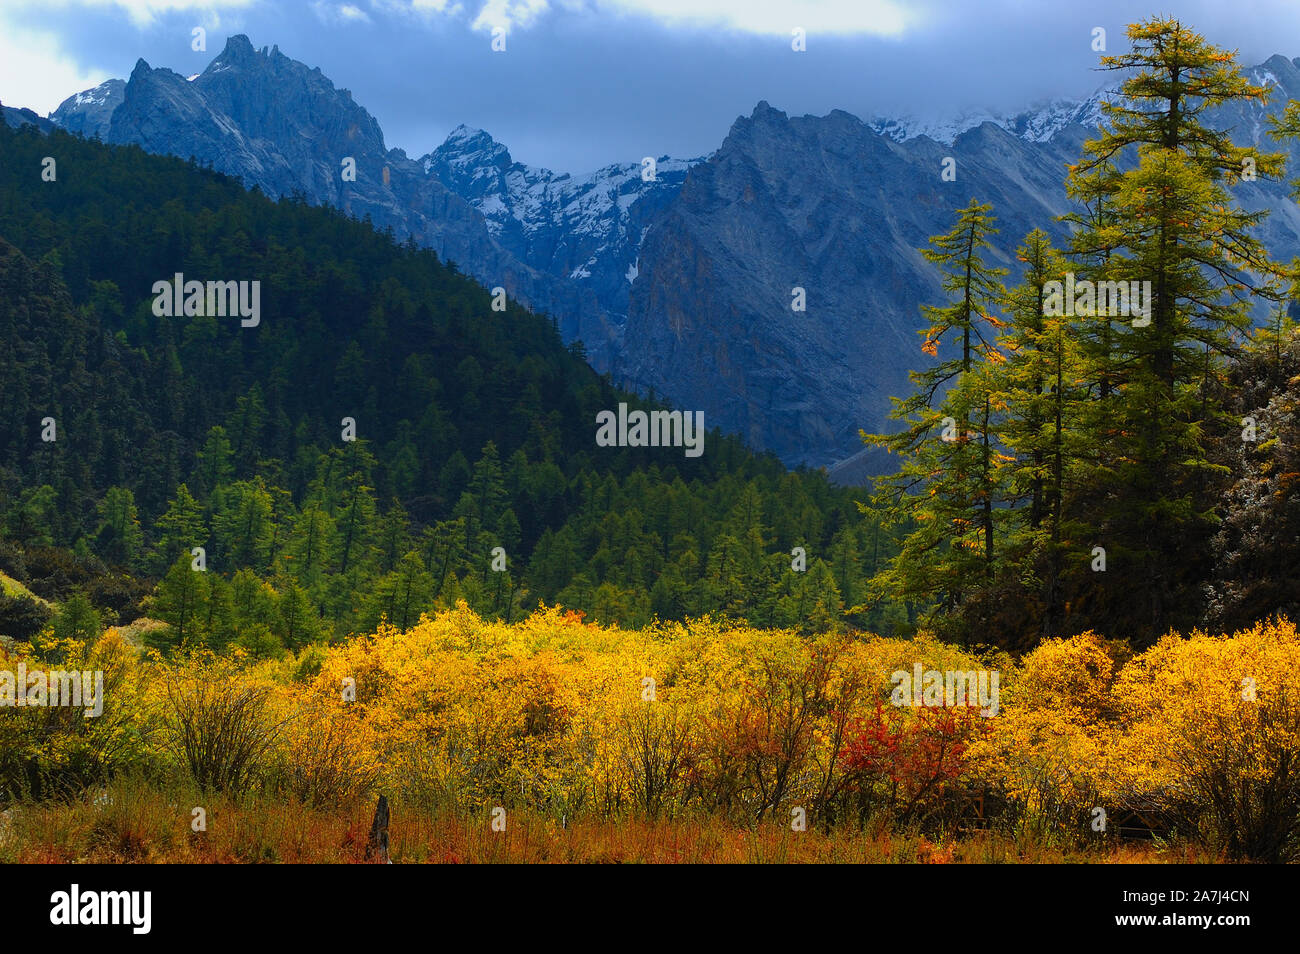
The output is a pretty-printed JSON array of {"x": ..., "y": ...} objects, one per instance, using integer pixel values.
[
  {"x": 830, "y": 206},
  {"x": 586, "y": 229},
  {"x": 840, "y": 207},
  {"x": 15, "y": 117},
  {"x": 682, "y": 284},
  {"x": 90, "y": 113},
  {"x": 285, "y": 128}
]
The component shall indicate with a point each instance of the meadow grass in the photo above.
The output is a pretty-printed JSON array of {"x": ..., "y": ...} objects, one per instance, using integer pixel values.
[{"x": 130, "y": 821}]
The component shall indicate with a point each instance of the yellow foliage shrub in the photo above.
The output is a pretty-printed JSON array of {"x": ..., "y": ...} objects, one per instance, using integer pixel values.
[{"x": 553, "y": 714}]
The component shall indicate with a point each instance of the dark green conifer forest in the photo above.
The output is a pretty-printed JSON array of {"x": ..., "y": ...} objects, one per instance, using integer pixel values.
[
  {"x": 474, "y": 430},
  {"x": 1056, "y": 472}
]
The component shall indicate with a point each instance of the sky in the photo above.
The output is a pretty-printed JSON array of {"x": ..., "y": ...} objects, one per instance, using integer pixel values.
[{"x": 584, "y": 83}]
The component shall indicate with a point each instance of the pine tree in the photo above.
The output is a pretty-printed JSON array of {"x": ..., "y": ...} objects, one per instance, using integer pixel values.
[
  {"x": 244, "y": 427},
  {"x": 393, "y": 536},
  {"x": 33, "y": 516},
  {"x": 178, "y": 530},
  {"x": 77, "y": 619},
  {"x": 846, "y": 558},
  {"x": 1042, "y": 393},
  {"x": 252, "y": 599},
  {"x": 297, "y": 622},
  {"x": 118, "y": 537},
  {"x": 403, "y": 594},
  {"x": 814, "y": 605},
  {"x": 215, "y": 464},
  {"x": 313, "y": 544},
  {"x": 485, "y": 499},
  {"x": 179, "y": 600},
  {"x": 1152, "y": 490},
  {"x": 356, "y": 523},
  {"x": 243, "y": 527},
  {"x": 948, "y": 481}
]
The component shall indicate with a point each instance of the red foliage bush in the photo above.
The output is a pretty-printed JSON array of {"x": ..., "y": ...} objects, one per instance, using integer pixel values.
[{"x": 910, "y": 763}]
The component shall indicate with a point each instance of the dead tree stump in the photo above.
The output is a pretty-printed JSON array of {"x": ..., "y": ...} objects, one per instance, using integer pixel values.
[{"x": 377, "y": 846}]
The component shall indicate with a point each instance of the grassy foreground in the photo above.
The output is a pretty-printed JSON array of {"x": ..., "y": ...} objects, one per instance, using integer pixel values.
[
  {"x": 698, "y": 742},
  {"x": 134, "y": 823}
]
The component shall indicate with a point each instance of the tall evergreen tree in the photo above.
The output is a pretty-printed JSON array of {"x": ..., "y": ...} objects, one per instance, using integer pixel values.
[
  {"x": 178, "y": 530},
  {"x": 1153, "y": 494},
  {"x": 118, "y": 537},
  {"x": 1041, "y": 391},
  {"x": 948, "y": 480}
]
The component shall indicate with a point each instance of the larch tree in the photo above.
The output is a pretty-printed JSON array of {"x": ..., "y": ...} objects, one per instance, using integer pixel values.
[
  {"x": 947, "y": 482},
  {"x": 1041, "y": 391},
  {"x": 1178, "y": 233}
]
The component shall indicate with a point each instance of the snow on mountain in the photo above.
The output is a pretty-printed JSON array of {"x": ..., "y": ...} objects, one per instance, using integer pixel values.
[
  {"x": 1039, "y": 123},
  {"x": 89, "y": 113},
  {"x": 587, "y": 228},
  {"x": 678, "y": 283},
  {"x": 481, "y": 170}
]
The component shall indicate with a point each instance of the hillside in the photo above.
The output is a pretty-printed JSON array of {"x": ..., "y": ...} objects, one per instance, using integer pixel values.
[
  {"x": 475, "y": 428},
  {"x": 678, "y": 285}
]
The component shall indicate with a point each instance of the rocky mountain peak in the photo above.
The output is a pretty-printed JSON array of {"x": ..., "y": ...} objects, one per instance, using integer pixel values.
[
  {"x": 238, "y": 49},
  {"x": 467, "y": 148},
  {"x": 764, "y": 115},
  {"x": 679, "y": 282},
  {"x": 89, "y": 113}
]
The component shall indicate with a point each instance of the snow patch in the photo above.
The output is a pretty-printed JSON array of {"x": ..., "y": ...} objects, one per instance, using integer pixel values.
[
  {"x": 93, "y": 97},
  {"x": 1037, "y": 124}
]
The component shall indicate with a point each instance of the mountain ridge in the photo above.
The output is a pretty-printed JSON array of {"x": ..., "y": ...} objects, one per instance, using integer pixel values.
[{"x": 676, "y": 285}]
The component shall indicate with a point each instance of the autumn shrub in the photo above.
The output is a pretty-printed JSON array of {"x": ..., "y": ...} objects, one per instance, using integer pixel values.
[
  {"x": 1240, "y": 779},
  {"x": 910, "y": 763},
  {"x": 1046, "y": 755},
  {"x": 1212, "y": 737},
  {"x": 428, "y": 779},
  {"x": 468, "y": 711},
  {"x": 220, "y": 723},
  {"x": 760, "y": 732},
  {"x": 48, "y": 750},
  {"x": 326, "y": 758},
  {"x": 656, "y": 753},
  {"x": 703, "y": 722}
]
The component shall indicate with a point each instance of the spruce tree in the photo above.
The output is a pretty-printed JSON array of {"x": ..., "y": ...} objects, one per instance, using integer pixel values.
[{"x": 178, "y": 530}]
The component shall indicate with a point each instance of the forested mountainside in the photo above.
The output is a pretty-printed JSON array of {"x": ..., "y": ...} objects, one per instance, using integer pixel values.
[
  {"x": 680, "y": 280},
  {"x": 129, "y": 438}
]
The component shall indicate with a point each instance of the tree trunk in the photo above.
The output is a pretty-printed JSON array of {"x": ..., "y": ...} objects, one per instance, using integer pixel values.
[{"x": 377, "y": 846}]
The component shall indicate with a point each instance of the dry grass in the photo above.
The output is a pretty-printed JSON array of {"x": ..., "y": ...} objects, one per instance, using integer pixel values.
[{"x": 135, "y": 823}]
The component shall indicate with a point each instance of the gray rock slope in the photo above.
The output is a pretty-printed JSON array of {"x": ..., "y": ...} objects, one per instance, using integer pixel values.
[
  {"x": 681, "y": 283},
  {"x": 285, "y": 128}
]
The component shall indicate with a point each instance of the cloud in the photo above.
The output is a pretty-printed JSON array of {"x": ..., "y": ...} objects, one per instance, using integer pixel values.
[
  {"x": 142, "y": 13},
  {"x": 878, "y": 17},
  {"x": 35, "y": 72},
  {"x": 421, "y": 8},
  {"x": 886, "y": 18},
  {"x": 40, "y": 63},
  {"x": 590, "y": 82},
  {"x": 339, "y": 13},
  {"x": 761, "y": 17},
  {"x": 507, "y": 14}
]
